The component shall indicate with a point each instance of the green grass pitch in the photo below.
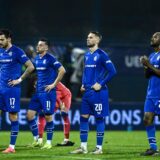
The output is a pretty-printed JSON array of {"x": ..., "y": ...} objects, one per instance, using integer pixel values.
[{"x": 118, "y": 145}]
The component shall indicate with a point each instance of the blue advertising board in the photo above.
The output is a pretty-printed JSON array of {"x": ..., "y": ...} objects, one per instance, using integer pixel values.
[{"x": 123, "y": 116}]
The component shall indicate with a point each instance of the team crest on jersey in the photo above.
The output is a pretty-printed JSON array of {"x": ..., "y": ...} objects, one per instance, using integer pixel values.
[
  {"x": 86, "y": 58},
  {"x": 95, "y": 58},
  {"x": 158, "y": 58},
  {"x": 10, "y": 53},
  {"x": 44, "y": 61},
  {"x": 36, "y": 62}
]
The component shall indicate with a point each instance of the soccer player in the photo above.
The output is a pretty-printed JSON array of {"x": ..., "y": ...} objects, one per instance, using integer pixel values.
[
  {"x": 152, "y": 103},
  {"x": 98, "y": 71},
  {"x": 49, "y": 73},
  {"x": 63, "y": 102},
  {"x": 11, "y": 61}
]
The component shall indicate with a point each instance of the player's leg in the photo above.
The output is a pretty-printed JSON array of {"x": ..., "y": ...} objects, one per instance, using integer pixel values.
[
  {"x": 32, "y": 110},
  {"x": 33, "y": 126},
  {"x": 84, "y": 127},
  {"x": 101, "y": 109},
  {"x": 150, "y": 127},
  {"x": 49, "y": 130},
  {"x": 48, "y": 101},
  {"x": 14, "y": 132},
  {"x": 12, "y": 102},
  {"x": 41, "y": 125},
  {"x": 100, "y": 134},
  {"x": 64, "y": 107},
  {"x": 66, "y": 129}
]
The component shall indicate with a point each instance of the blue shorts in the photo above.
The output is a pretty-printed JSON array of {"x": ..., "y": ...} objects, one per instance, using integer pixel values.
[
  {"x": 152, "y": 105},
  {"x": 10, "y": 99},
  {"x": 95, "y": 103},
  {"x": 43, "y": 101}
]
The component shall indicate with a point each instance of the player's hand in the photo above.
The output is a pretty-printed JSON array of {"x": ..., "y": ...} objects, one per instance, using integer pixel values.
[
  {"x": 82, "y": 89},
  {"x": 48, "y": 88},
  {"x": 14, "y": 82},
  {"x": 34, "y": 84},
  {"x": 144, "y": 60},
  {"x": 62, "y": 107},
  {"x": 96, "y": 86}
]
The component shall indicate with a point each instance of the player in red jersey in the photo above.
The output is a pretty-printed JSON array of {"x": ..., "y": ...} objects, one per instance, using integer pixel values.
[{"x": 63, "y": 102}]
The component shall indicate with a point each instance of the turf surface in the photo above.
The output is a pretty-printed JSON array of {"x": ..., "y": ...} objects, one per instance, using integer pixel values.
[{"x": 118, "y": 145}]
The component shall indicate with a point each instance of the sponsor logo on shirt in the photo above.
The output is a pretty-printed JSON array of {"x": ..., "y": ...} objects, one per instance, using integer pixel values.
[
  {"x": 5, "y": 60},
  {"x": 90, "y": 66},
  {"x": 40, "y": 68}
]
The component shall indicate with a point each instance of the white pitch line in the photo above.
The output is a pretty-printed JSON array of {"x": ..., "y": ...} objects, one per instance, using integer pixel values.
[{"x": 50, "y": 156}]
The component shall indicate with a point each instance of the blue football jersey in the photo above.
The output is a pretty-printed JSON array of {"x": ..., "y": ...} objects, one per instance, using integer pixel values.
[
  {"x": 153, "y": 90},
  {"x": 97, "y": 68},
  {"x": 11, "y": 62},
  {"x": 46, "y": 67}
]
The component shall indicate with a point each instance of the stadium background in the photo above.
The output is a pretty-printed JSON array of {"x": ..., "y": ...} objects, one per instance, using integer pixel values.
[{"x": 126, "y": 27}]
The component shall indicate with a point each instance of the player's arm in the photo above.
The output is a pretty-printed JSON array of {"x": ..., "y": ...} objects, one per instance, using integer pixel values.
[
  {"x": 110, "y": 69},
  {"x": 148, "y": 73},
  {"x": 29, "y": 69},
  {"x": 149, "y": 68},
  {"x": 82, "y": 89},
  {"x": 61, "y": 72}
]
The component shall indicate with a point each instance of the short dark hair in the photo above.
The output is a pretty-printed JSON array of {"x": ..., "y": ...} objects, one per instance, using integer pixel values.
[
  {"x": 47, "y": 42},
  {"x": 6, "y": 32},
  {"x": 97, "y": 34}
]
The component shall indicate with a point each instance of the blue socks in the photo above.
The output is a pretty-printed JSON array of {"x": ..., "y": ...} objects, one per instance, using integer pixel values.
[
  {"x": 151, "y": 136},
  {"x": 14, "y": 132},
  {"x": 33, "y": 127},
  {"x": 100, "y": 130},
  {"x": 84, "y": 127},
  {"x": 49, "y": 129}
]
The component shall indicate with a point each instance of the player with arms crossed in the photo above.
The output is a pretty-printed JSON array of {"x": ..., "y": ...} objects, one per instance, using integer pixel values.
[
  {"x": 11, "y": 61},
  {"x": 98, "y": 71},
  {"x": 152, "y": 103},
  {"x": 49, "y": 73},
  {"x": 63, "y": 102}
]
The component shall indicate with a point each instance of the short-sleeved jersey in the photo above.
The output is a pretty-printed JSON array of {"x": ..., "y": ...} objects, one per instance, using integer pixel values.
[
  {"x": 153, "y": 90},
  {"x": 46, "y": 67},
  {"x": 11, "y": 62},
  {"x": 97, "y": 68}
]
